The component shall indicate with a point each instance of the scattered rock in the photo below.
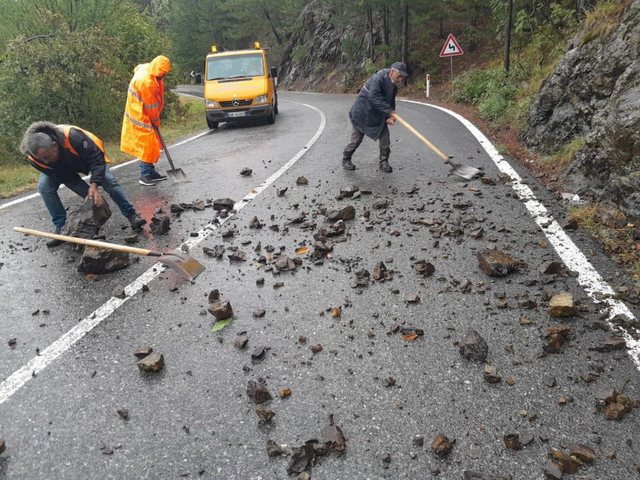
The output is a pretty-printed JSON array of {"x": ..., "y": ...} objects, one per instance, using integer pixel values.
[
  {"x": 255, "y": 223},
  {"x": 215, "y": 252},
  {"x": 345, "y": 213},
  {"x": 566, "y": 463},
  {"x": 99, "y": 261},
  {"x": 257, "y": 391},
  {"x": 611, "y": 344},
  {"x": 3, "y": 446},
  {"x": 160, "y": 224},
  {"x": 583, "y": 453},
  {"x": 412, "y": 298},
  {"x": 512, "y": 441},
  {"x": 13, "y": 342},
  {"x": 380, "y": 204},
  {"x": 614, "y": 404},
  {"x": 237, "y": 255},
  {"x": 241, "y": 341},
  {"x": 557, "y": 336},
  {"x": 123, "y": 413},
  {"x": 118, "y": 292},
  {"x": 281, "y": 191},
  {"x": 316, "y": 348},
  {"x": 284, "y": 392},
  {"x": 441, "y": 445},
  {"x": 332, "y": 436},
  {"x": 154, "y": 362},
  {"x": 245, "y": 172},
  {"x": 551, "y": 268},
  {"x": 142, "y": 352},
  {"x": 552, "y": 470},
  {"x": 381, "y": 273},
  {"x": 302, "y": 180},
  {"x": 473, "y": 347},
  {"x": 424, "y": 268},
  {"x": 561, "y": 305},
  {"x": 491, "y": 374},
  {"x": 220, "y": 310},
  {"x": 469, "y": 475},
  {"x": 274, "y": 450},
  {"x": 496, "y": 263},
  {"x": 221, "y": 204},
  {"x": 258, "y": 353},
  {"x": 265, "y": 414}
]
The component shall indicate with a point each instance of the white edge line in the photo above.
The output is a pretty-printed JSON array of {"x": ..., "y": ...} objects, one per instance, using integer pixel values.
[
  {"x": 21, "y": 376},
  {"x": 588, "y": 277}
]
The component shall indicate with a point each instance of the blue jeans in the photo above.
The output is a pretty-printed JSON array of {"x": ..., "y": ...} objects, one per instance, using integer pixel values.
[
  {"x": 146, "y": 168},
  {"x": 48, "y": 188}
]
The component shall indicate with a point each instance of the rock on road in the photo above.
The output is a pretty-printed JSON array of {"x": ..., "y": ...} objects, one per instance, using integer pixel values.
[{"x": 378, "y": 352}]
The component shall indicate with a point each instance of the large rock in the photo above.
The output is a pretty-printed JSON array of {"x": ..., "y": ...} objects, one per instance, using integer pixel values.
[
  {"x": 86, "y": 220},
  {"x": 594, "y": 93},
  {"x": 99, "y": 260}
]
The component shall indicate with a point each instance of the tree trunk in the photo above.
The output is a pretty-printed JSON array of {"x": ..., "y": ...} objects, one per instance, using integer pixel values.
[
  {"x": 372, "y": 53},
  {"x": 404, "y": 53},
  {"x": 385, "y": 31},
  {"x": 273, "y": 27},
  {"x": 507, "y": 39}
]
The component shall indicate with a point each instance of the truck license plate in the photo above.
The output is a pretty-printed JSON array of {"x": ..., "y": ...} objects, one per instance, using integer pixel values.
[{"x": 236, "y": 114}]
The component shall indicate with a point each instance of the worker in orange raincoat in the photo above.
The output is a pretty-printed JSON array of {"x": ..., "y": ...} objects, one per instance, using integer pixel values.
[{"x": 145, "y": 101}]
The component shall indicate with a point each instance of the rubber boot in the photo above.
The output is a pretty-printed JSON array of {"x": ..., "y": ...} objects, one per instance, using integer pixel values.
[
  {"x": 347, "y": 164},
  {"x": 384, "y": 162}
]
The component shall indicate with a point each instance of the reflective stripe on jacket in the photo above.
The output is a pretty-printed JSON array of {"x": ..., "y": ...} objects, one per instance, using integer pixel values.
[
  {"x": 145, "y": 101},
  {"x": 79, "y": 151}
]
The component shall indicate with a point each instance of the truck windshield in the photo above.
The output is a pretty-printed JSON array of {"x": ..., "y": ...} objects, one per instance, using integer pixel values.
[{"x": 236, "y": 66}]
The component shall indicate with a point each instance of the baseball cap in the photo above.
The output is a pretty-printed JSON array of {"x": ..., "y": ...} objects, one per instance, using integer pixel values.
[{"x": 401, "y": 68}]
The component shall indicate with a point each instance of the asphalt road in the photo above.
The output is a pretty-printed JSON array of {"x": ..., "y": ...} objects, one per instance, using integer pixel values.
[{"x": 195, "y": 420}]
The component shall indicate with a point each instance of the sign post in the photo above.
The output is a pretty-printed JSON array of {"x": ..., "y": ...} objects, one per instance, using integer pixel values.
[
  {"x": 451, "y": 49},
  {"x": 427, "y": 84}
]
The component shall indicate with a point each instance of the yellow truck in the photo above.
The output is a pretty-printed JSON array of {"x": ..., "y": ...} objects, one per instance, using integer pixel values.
[{"x": 240, "y": 85}]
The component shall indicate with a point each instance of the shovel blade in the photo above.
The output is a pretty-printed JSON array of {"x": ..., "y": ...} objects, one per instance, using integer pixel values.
[
  {"x": 177, "y": 175},
  {"x": 464, "y": 171},
  {"x": 181, "y": 263}
]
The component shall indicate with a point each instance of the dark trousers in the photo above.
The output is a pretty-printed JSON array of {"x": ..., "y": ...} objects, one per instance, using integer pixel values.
[{"x": 356, "y": 140}]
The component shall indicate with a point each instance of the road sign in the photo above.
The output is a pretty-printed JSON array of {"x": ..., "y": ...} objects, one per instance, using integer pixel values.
[{"x": 451, "y": 48}]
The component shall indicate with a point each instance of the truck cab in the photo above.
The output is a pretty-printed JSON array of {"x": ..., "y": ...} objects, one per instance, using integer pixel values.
[{"x": 240, "y": 85}]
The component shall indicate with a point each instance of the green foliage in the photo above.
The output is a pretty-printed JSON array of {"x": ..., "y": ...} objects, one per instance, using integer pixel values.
[
  {"x": 565, "y": 155},
  {"x": 492, "y": 90},
  {"x": 603, "y": 19}
]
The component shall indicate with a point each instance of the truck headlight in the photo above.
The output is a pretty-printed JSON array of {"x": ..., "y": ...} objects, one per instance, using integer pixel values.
[
  {"x": 262, "y": 99},
  {"x": 212, "y": 104}
]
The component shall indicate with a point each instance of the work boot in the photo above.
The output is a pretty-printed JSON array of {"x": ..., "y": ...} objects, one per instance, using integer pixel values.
[
  {"x": 158, "y": 177},
  {"x": 385, "y": 167},
  {"x": 136, "y": 221},
  {"x": 347, "y": 164},
  {"x": 147, "y": 181},
  {"x": 55, "y": 243}
]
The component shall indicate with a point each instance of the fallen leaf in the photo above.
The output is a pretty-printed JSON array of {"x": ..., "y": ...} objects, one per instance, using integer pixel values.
[
  {"x": 336, "y": 312},
  {"x": 220, "y": 324},
  {"x": 302, "y": 250},
  {"x": 410, "y": 337}
]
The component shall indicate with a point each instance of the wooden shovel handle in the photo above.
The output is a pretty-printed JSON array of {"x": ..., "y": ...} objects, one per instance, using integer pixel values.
[
  {"x": 421, "y": 137},
  {"x": 91, "y": 243}
]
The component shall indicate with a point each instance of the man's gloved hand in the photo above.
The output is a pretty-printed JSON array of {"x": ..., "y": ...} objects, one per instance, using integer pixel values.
[{"x": 95, "y": 196}]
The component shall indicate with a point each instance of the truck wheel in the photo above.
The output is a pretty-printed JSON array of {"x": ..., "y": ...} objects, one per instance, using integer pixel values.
[
  {"x": 211, "y": 124},
  {"x": 271, "y": 118}
]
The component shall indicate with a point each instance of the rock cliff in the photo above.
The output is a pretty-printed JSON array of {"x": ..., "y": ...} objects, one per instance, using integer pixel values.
[{"x": 594, "y": 93}]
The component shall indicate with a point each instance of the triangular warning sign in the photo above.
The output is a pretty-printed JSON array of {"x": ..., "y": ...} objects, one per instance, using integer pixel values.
[{"x": 451, "y": 48}]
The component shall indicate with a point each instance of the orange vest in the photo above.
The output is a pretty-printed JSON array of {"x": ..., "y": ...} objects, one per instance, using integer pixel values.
[{"x": 66, "y": 143}]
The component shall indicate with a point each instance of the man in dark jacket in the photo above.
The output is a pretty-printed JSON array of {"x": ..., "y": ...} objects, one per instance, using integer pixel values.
[
  {"x": 372, "y": 113},
  {"x": 60, "y": 153}
]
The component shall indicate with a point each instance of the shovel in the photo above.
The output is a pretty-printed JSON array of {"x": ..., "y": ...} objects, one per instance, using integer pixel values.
[
  {"x": 176, "y": 260},
  {"x": 462, "y": 171},
  {"x": 175, "y": 174}
]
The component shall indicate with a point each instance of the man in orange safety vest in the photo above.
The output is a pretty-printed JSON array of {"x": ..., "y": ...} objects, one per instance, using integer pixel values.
[{"x": 145, "y": 101}]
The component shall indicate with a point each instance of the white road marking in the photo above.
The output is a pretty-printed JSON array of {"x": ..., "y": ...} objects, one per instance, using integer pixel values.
[
  {"x": 21, "y": 376},
  {"x": 115, "y": 167},
  {"x": 588, "y": 277}
]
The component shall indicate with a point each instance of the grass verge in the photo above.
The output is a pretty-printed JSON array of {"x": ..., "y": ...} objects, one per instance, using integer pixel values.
[{"x": 189, "y": 119}]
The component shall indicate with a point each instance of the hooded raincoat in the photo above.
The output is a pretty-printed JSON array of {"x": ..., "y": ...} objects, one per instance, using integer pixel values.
[
  {"x": 145, "y": 101},
  {"x": 375, "y": 102}
]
